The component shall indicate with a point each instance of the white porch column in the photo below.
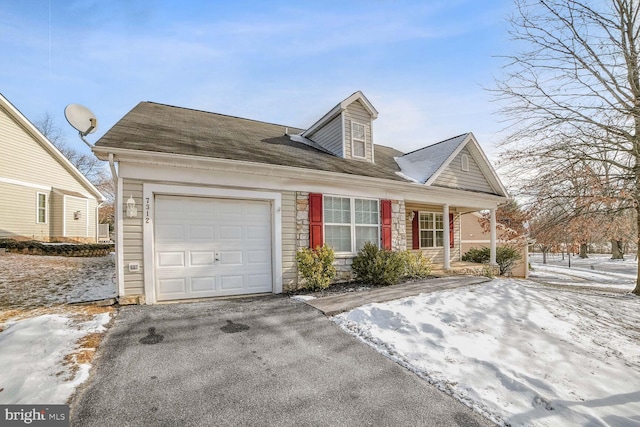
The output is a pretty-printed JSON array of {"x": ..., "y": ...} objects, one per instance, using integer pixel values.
[
  {"x": 447, "y": 252},
  {"x": 492, "y": 256}
]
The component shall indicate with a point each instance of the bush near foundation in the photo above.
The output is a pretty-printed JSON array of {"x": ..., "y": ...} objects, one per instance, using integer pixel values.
[
  {"x": 316, "y": 267},
  {"x": 378, "y": 267},
  {"x": 506, "y": 257}
]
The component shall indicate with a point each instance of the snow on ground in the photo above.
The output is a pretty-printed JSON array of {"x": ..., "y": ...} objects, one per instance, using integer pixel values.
[
  {"x": 44, "y": 358},
  {"x": 46, "y": 345},
  {"x": 516, "y": 351},
  {"x": 596, "y": 271},
  {"x": 28, "y": 281}
]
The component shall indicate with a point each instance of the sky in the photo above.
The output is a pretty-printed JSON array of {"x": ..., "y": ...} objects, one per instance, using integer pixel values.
[{"x": 424, "y": 65}]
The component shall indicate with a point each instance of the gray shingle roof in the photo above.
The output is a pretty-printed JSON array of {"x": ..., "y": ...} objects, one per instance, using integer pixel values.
[{"x": 166, "y": 129}]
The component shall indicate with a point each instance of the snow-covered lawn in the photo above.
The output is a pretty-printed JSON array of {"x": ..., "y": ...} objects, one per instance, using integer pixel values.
[
  {"x": 598, "y": 270},
  {"x": 45, "y": 357},
  {"x": 518, "y": 352},
  {"x": 46, "y": 346}
]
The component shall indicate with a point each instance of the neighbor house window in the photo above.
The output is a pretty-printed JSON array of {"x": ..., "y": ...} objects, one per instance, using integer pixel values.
[
  {"x": 431, "y": 230},
  {"x": 464, "y": 160},
  {"x": 358, "y": 139},
  {"x": 350, "y": 222},
  {"x": 41, "y": 214}
]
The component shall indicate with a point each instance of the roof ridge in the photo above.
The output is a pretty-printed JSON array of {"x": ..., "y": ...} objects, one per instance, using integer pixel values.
[
  {"x": 224, "y": 115},
  {"x": 437, "y": 143}
]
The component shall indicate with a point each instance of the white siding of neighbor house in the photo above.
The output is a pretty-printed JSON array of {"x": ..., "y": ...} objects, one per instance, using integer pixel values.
[
  {"x": 454, "y": 177},
  {"x": 436, "y": 255},
  {"x": 25, "y": 160},
  {"x": 132, "y": 239},
  {"x": 356, "y": 112},
  {"x": 19, "y": 217},
  {"x": 329, "y": 136},
  {"x": 76, "y": 228}
]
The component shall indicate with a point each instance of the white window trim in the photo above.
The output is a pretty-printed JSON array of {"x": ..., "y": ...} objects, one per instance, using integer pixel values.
[
  {"x": 354, "y": 139},
  {"x": 434, "y": 229},
  {"x": 464, "y": 162},
  {"x": 46, "y": 208},
  {"x": 352, "y": 225}
]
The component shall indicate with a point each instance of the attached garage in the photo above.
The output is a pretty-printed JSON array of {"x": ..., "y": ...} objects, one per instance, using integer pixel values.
[{"x": 203, "y": 245}]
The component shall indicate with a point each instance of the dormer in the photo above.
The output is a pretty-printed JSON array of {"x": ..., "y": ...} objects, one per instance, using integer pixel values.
[{"x": 346, "y": 130}]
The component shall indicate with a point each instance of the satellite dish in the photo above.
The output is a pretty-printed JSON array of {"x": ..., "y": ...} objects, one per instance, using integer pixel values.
[{"x": 82, "y": 119}]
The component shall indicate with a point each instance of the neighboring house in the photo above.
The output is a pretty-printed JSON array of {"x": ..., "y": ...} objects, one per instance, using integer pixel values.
[
  {"x": 223, "y": 203},
  {"x": 472, "y": 235},
  {"x": 42, "y": 195}
]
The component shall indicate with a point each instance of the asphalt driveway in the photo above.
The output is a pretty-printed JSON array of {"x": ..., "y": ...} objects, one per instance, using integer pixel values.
[{"x": 266, "y": 361}]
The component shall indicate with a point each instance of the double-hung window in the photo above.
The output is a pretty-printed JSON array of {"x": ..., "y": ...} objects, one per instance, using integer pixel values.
[
  {"x": 41, "y": 208},
  {"x": 431, "y": 230},
  {"x": 350, "y": 222},
  {"x": 358, "y": 139}
]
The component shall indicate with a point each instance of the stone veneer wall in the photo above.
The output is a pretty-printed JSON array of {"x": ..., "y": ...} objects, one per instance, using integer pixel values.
[{"x": 343, "y": 264}]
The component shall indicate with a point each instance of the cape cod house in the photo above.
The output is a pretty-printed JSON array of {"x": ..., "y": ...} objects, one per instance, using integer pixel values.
[
  {"x": 212, "y": 205},
  {"x": 42, "y": 195}
]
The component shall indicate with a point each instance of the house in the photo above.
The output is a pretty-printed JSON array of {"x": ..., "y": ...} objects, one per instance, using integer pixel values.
[
  {"x": 42, "y": 195},
  {"x": 473, "y": 235},
  {"x": 215, "y": 205}
]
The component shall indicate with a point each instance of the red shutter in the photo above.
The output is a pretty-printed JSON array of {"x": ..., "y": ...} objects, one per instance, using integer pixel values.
[
  {"x": 415, "y": 227},
  {"x": 315, "y": 220},
  {"x": 452, "y": 233},
  {"x": 385, "y": 214}
]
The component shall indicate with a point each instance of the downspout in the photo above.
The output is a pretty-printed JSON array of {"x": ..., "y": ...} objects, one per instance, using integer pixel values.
[{"x": 117, "y": 211}]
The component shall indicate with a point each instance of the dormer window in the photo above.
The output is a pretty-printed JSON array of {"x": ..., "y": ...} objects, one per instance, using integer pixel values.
[{"x": 358, "y": 141}]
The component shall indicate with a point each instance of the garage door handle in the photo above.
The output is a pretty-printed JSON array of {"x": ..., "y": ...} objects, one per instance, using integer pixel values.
[{"x": 216, "y": 256}]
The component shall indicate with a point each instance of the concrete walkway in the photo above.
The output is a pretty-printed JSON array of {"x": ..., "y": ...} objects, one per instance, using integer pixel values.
[{"x": 335, "y": 304}]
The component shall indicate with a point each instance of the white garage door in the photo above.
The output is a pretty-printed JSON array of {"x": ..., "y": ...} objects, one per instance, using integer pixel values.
[{"x": 208, "y": 247}]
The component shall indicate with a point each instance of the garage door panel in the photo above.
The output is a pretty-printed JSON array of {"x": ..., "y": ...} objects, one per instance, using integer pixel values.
[
  {"x": 258, "y": 257},
  {"x": 171, "y": 259},
  {"x": 201, "y": 258},
  {"x": 201, "y": 232},
  {"x": 187, "y": 240},
  {"x": 235, "y": 282},
  {"x": 228, "y": 232},
  {"x": 170, "y": 233},
  {"x": 172, "y": 286},
  {"x": 203, "y": 284},
  {"x": 231, "y": 258},
  {"x": 258, "y": 232},
  {"x": 258, "y": 281}
]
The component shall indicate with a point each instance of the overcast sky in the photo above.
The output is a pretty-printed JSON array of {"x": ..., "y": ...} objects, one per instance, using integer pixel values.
[{"x": 422, "y": 64}]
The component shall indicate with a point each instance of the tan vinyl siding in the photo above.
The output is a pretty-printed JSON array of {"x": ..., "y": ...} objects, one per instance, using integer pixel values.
[
  {"x": 435, "y": 254},
  {"x": 289, "y": 268},
  {"x": 29, "y": 161},
  {"x": 132, "y": 239},
  {"x": 454, "y": 177},
  {"x": 75, "y": 227},
  {"x": 57, "y": 214},
  {"x": 356, "y": 112},
  {"x": 18, "y": 219},
  {"x": 329, "y": 136}
]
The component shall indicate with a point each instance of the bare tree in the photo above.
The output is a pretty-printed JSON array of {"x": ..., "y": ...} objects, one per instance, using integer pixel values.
[
  {"x": 572, "y": 90},
  {"x": 88, "y": 164}
]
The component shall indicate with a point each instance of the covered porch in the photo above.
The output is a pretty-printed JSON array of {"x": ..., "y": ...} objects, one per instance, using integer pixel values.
[{"x": 435, "y": 230}]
